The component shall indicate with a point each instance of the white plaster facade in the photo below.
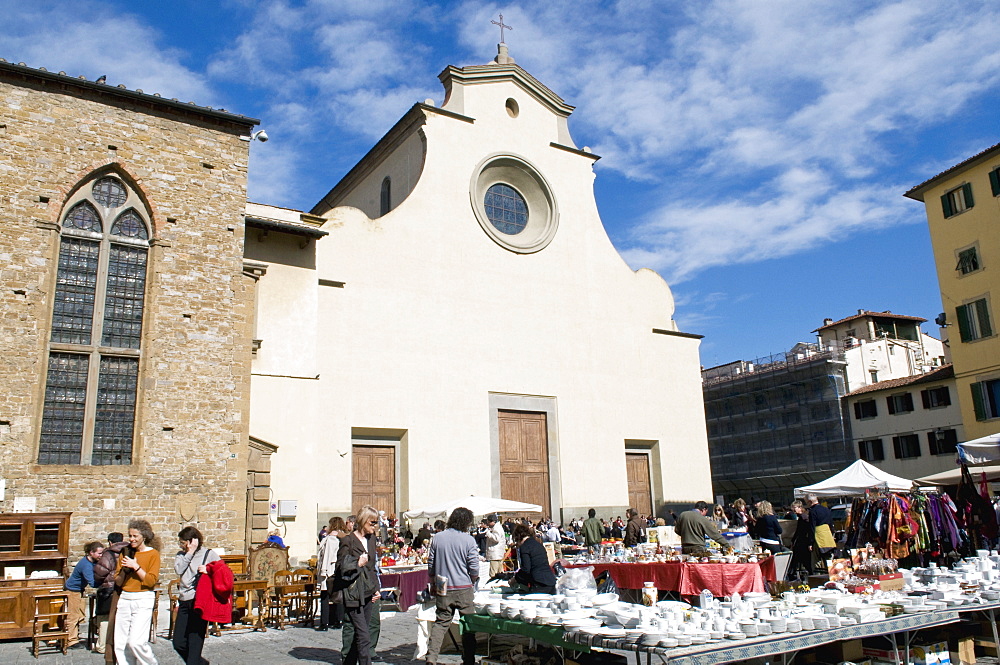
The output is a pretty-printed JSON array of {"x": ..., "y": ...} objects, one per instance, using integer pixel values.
[
  {"x": 414, "y": 327},
  {"x": 927, "y": 415}
]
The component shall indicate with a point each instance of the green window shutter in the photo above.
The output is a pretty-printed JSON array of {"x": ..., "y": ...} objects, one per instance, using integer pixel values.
[
  {"x": 995, "y": 181},
  {"x": 967, "y": 190},
  {"x": 946, "y": 206},
  {"x": 983, "y": 314},
  {"x": 977, "y": 401},
  {"x": 962, "y": 314}
]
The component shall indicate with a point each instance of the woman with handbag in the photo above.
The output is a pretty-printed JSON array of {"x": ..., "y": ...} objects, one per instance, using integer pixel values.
[
  {"x": 190, "y": 564},
  {"x": 330, "y": 599},
  {"x": 138, "y": 573},
  {"x": 356, "y": 577}
]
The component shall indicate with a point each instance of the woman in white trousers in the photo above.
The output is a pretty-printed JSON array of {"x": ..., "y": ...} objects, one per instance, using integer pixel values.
[{"x": 139, "y": 571}]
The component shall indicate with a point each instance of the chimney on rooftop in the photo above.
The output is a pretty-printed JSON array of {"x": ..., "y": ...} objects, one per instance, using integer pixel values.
[{"x": 827, "y": 322}]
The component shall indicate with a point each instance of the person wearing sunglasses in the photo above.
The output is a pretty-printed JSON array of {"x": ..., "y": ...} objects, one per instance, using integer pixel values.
[{"x": 356, "y": 558}]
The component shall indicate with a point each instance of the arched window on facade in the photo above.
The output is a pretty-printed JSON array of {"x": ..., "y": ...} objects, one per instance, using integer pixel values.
[
  {"x": 94, "y": 347},
  {"x": 385, "y": 200}
]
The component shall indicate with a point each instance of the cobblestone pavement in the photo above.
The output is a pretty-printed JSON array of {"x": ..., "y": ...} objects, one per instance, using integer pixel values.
[{"x": 294, "y": 645}]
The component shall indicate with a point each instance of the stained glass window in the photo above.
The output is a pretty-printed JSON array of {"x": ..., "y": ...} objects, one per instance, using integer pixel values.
[
  {"x": 109, "y": 192},
  {"x": 124, "y": 301},
  {"x": 506, "y": 209},
  {"x": 65, "y": 409},
  {"x": 129, "y": 225},
  {"x": 115, "y": 416},
  {"x": 97, "y": 318},
  {"x": 83, "y": 216},
  {"x": 76, "y": 286}
]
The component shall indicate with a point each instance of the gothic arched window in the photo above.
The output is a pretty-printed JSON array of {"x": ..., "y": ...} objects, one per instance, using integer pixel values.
[{"x": 94, "y": 345}]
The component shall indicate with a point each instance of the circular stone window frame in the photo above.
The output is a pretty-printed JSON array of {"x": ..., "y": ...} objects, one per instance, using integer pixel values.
[{"x": 528, "y": 181}]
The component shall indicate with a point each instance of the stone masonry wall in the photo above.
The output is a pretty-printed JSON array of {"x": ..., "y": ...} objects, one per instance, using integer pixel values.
[{"x": 190, "y": 455}]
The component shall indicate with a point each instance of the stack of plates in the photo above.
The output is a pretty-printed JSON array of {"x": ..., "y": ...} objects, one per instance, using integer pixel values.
[
  {"x": 834, "y": 620},
  {"x": 684, "y": 640},
  {"x": 778, "y": 625},
  {"x": 793, "y": 626},
  {"x": 733, "y": 635},
  {"x": 806, "y": 622},
  {"x": 667, "y": 642},
  {"x": 717, "y": 635},
  {"x": 750, "y": 629},
  {"x": 821, "y": 623}
]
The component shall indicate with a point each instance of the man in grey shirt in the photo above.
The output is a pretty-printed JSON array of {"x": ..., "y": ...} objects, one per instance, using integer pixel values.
[{"x": 453, "y": 566}]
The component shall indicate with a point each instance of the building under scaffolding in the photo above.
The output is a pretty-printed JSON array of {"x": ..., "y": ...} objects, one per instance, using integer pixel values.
[{"x": 776, "y": 423}]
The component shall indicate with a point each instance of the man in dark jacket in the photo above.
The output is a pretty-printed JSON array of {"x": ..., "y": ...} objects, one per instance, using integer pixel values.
[{"x": 635, "y": 530}]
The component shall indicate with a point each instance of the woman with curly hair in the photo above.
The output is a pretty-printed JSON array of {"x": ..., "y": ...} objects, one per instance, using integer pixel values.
[{"x": 138, "y": 573}]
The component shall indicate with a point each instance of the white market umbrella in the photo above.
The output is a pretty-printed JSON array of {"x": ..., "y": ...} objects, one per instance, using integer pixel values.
[
  {"x": 983, "y": 450},
  {"x": 954, "y": 476},
  {"x": 479, "y": 505},
  {"x": 855, "y": 480}
]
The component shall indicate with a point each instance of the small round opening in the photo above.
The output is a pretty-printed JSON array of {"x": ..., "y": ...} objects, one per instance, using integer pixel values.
[{"x": 512, "y": 109}]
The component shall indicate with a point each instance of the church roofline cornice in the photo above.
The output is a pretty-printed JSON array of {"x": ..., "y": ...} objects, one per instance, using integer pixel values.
[{"x": 492, "y": 73}]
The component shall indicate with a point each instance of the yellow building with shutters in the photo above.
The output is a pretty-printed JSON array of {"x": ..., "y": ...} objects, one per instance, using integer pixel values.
[{"x": 963, "y": 212}]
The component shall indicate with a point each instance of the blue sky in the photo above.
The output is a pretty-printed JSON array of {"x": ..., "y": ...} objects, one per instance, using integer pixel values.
[{"x": 754, "y": 152}]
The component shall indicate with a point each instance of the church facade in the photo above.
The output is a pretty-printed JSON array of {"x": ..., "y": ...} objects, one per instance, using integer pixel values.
[{"x": 452, "y": 319}]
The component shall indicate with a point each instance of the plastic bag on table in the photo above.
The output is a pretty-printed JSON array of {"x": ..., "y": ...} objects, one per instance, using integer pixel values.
[
  {"x": 605, "y": 584},
  {"x": 576, "y": 578}
]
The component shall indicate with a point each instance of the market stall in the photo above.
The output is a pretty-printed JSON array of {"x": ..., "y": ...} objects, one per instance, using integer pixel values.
[
  {"x": 479, "y": 505},
  {"x": 857, "y": 479},
  {"x": 690, "y": 578}
]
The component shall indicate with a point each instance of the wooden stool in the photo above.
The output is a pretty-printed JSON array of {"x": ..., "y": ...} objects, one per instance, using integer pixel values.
[{"x": 51, "y": 621}]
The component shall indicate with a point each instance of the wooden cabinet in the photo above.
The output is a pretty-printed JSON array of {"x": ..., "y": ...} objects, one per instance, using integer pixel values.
[{"x": 29, "y": 543}]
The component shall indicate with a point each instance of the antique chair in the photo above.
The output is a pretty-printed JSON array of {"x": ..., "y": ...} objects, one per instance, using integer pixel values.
[
  {"x": 304, "y": 601},
  {"x": 281, "y": 599},
  {"x": 175, "y": 600},
  {"x": 51, "y": 621},
  {"x": 265, "y": 560}
]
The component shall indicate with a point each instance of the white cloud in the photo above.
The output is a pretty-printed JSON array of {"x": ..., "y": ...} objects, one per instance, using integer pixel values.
[{"x": 117, "y": 45}]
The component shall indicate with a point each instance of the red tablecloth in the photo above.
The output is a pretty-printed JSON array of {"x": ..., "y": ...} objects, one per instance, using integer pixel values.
[
  {"x": 688, "y": 579},
  {"x": 409, "y": 584}
]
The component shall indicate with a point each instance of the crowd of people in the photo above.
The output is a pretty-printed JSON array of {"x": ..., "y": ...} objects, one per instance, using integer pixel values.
[{"x": 125, "y": 570}]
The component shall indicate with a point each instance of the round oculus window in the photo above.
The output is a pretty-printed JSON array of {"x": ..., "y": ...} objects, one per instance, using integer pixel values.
[
  {"x": 506, "y": 209},
  {"x": 513, "y": 203}
]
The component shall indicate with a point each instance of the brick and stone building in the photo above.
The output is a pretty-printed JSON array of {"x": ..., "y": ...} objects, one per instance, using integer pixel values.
[{"x": 125, "y": 310}]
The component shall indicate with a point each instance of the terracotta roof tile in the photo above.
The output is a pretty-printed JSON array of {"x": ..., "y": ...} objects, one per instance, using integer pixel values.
[
  {"x": 940, "y": 374},
  {"x": 865, "y": 313},
  {"x": 916, "y": 193}
]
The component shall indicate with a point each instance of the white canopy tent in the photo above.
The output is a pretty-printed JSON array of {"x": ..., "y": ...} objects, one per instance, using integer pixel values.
[
  {"x": 856, "y": 479},
  {"x": 954, "y": 476},
  {"x": 984, "y": 450},
  {"x": 479, "y": 505}
]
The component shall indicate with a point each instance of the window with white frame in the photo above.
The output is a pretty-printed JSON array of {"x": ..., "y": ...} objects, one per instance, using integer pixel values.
[
  {"x": 91, "y": 385},
  {"x": 986, "y": 399},
  {"x": 974, "y": 320},
  {"x": 942, "y": 442},
  {"x": 899, "y": 403},
  {"x": 933, "y": 398},
  {"x": 906, "y": 446},
  {"x": 870, "y": 450},
  {"x": 957, "y": 200},
  {"x": 968, "y": 260}
]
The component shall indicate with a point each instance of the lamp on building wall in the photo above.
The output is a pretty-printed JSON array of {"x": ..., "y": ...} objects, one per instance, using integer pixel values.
[{"x": 260, "y": 135}]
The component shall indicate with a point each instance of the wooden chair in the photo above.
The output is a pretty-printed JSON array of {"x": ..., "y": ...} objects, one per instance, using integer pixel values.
[
  {"x": 304, "y": 600},
  {"x": 156, "y": 616},
  {"x": 175, "y": 600},
  {"x": 280, "y": 600},
  {"x": 51, "y": 621}
]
